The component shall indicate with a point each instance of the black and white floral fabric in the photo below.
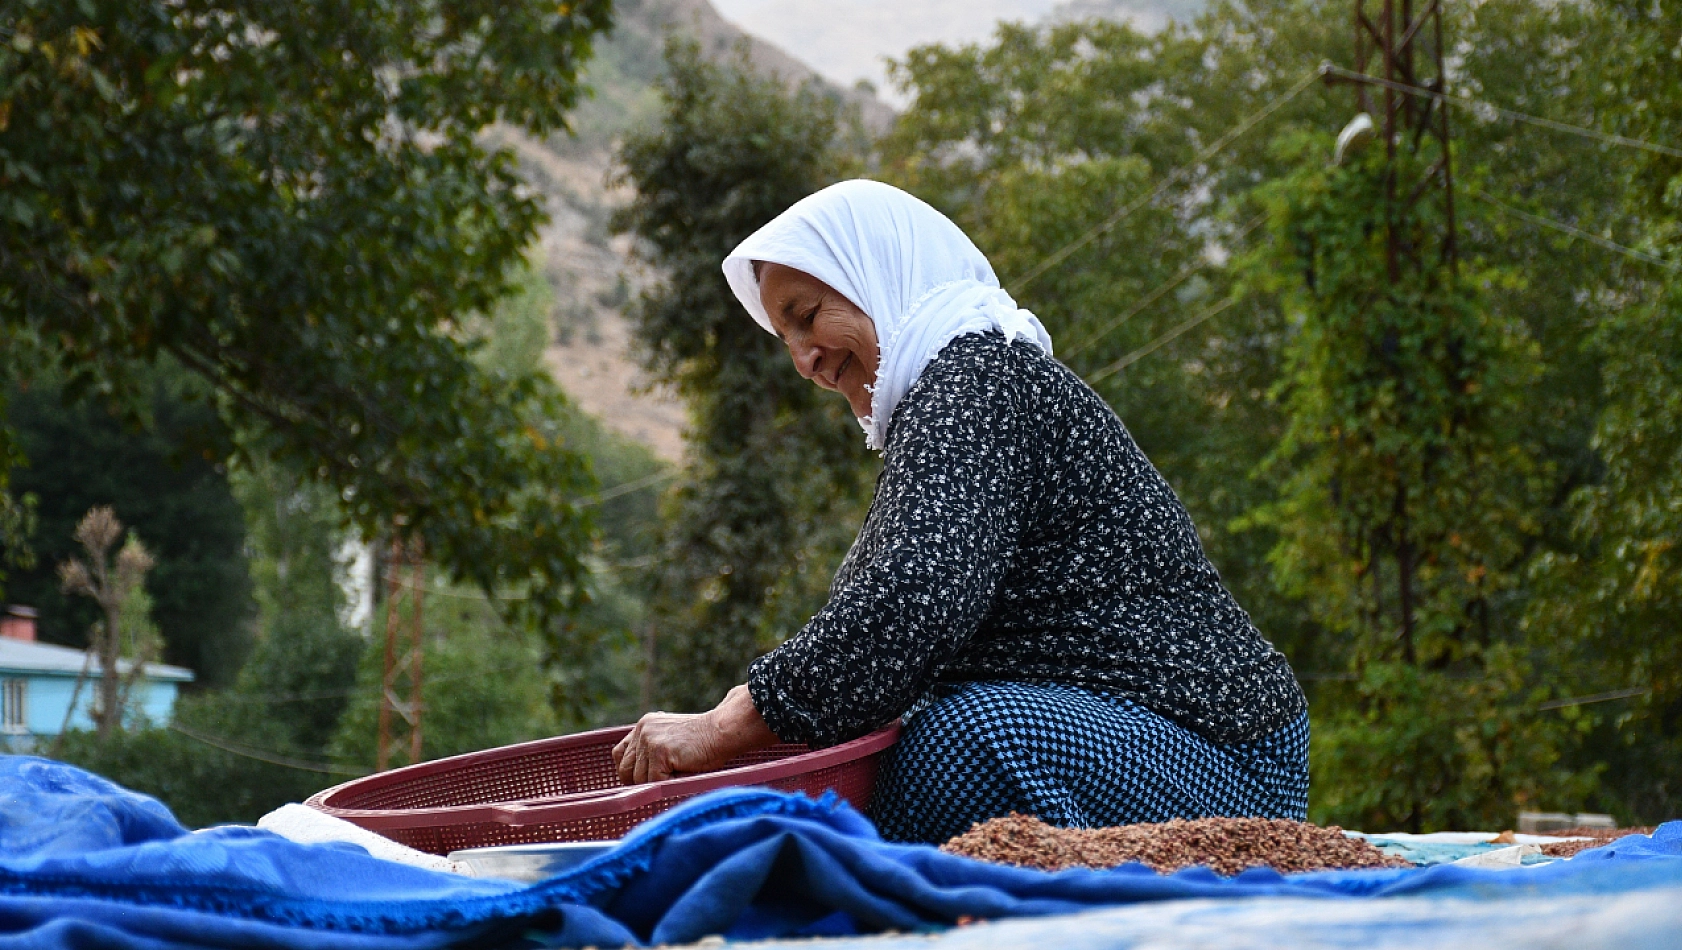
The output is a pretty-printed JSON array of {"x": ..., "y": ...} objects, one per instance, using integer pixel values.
[{"x": 1019, "y": 534}]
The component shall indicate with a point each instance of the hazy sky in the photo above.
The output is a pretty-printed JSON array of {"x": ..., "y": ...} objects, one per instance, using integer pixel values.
[{"x": 846, "y": 40}]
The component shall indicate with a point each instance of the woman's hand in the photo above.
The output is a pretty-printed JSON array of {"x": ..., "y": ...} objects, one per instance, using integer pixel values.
[{"x": 663, "y": 744}]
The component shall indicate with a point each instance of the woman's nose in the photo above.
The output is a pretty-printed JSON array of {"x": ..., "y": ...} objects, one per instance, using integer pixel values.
[{"x": 806, "y": 357}]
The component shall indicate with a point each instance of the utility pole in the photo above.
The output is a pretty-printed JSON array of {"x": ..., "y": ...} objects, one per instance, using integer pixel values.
[
  {"x": 400, "y": 686},
  {"x": 1399, "y": 83},
  {"x": 1399, "y": 55}
]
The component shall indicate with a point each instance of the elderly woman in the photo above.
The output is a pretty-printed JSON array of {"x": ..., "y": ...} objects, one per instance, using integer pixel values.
[{"x": 1026, "y": 591}]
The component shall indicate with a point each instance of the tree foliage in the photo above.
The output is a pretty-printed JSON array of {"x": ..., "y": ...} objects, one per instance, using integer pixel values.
[
  {"x": 484, "y": 685},
  {"x": 753, "y": 529},
  {"x": 1404, "y": 494},
  {"x": 226, "y": 762},
  {"x": 1608, "y": 604},
  {"x": 291, "y": 201},
  {"x": 164, "y": 479}
]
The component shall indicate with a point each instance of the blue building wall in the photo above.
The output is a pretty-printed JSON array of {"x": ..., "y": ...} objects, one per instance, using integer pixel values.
[{"x": 49, "y": 697}]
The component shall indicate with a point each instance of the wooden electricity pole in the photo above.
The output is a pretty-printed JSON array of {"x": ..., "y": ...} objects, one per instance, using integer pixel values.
[
  {"x": 400, "y": 693},
  {"x": 1399, "y": 83},
  {"x": 1399, "y": 56}
]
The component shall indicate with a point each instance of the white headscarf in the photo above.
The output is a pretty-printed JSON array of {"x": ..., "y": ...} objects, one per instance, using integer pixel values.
[{"x": 906, "y": 265}]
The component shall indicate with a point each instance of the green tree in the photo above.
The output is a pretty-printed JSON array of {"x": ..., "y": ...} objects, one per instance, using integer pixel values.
[
  {"x": 224, "y": 757},
  {"x": 1405, "y": 502},
  {"x": 1608, "y": 608},
  {"x": 202, "y": 784},
  {"x": 291, "y": 692},
  {"x": 775, "y": 469},
  {"x": 163, "y": 481},
  {"x": 599, "y": 658},
  {"x": 592, "y": 654},
  {"x": 17, "y": 523},
  {"x": 292, "y": 202}
]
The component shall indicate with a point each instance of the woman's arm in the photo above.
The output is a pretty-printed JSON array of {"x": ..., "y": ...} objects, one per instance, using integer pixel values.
[
  {"x": 949, "y": 511},
  {"x": 664, "y": 744},
  {"x": 955, "y": 495}
]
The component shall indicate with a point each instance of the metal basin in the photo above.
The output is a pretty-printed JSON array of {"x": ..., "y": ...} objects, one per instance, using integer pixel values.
[{"x": 529, "y": 862}]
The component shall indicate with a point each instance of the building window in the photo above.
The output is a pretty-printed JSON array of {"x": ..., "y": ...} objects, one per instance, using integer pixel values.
[{"x": 14, "y": 706}]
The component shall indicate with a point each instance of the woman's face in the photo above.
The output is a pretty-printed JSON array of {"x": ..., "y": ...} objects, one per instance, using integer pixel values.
[{"x": 832, "y": 342}]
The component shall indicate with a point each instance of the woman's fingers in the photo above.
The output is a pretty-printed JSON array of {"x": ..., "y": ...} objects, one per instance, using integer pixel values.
[
  {"x": 625, "y": 755},
  {"x": 641, "y": 770},
  {"x": 657, "y": 764},
  {"x": 660, "y": 744}
]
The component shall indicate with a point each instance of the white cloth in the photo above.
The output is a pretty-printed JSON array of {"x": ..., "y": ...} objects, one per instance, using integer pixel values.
[
  {"x": 305, "y": 825},
  {"x": 907, "y": 266},
  {"x": 1501, "y": 858}
]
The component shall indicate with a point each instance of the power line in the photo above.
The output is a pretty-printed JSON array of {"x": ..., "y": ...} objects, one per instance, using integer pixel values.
[
  {"x": 1596, "y": 698},
  {"x": 307, "y": 695},
  {"x": 608, "y": 494},
  {"x": 445, "y": 592},
  {"x": 584, "y": 501},
  {"x": 1156, "y": 294},
  {"x": 1157, "y": 343},
  {"x": 1138, "y": 307},
  {"x": 605, "y": 568},
  {"x": 269, "y": 757},
  {"x": 635, "y": 563},
  {"x": 1175, "y": 177},
  {"x": 1607, "y": 137},
  {"x": 1575, "y": 232}
]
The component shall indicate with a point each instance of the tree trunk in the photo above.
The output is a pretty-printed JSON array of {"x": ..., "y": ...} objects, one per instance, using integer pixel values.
[
  {"x": 110, "y": 714},
  {"x": 1404, "y": 572}
]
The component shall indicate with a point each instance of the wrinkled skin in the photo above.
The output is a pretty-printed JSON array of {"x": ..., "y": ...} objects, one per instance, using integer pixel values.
[
  {"x": 663, "y": 744},
  {"x": 831, "y": 341}
]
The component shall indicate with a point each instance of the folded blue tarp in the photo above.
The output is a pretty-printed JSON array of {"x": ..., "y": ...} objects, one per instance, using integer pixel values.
[{"x": 86, "y": 863}]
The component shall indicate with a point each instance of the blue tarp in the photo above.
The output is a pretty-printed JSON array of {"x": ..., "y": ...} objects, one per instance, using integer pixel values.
[{"x": 86, "y": 863}]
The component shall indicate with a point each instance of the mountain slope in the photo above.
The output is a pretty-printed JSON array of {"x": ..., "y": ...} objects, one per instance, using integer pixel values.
[
  {"x": 848, "y": 40},
  {"x": 592, "y": 273}
]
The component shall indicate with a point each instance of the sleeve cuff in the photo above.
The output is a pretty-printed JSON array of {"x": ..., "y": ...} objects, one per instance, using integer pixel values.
[{"x": 789, "y": 724}]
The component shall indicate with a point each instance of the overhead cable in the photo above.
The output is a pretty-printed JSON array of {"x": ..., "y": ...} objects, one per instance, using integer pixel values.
[
  {"x": 1175, "y": 177},
  {"x": 1596, "y": 698},
  {"x": 269, "y": 757},
  {"x": 1575, "y": 232},
  {"x": 1179, "y": 278},
  {"x": 608, "y": 494},
  {"x": 315, "y": 694},
  {"x": 1607, "y": 137},
  {"x": 1158, "y": 343},
  {"x": 1156, "y": 294},
  {"x": 393, "y": 577}
]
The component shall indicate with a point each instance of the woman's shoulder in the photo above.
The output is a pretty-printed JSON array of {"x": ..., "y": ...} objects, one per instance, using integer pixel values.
[
  {"x": 982, "y": 367},
  {"x": 985, "y": 360},
  {"x": 979, "y": 376},
  {"x": 976, "y": 370}
]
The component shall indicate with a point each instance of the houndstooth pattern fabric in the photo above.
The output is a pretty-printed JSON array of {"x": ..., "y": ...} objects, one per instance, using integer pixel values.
[
  {"x": 1076, "y": 758},
  {"x": 1019, "y": 533}
]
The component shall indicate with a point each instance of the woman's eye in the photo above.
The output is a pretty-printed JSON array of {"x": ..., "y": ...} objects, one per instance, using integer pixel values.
[{"x": 811, "y": 316}]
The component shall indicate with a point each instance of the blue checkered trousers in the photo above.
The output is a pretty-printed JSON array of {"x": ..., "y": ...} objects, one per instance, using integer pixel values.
[{"x": 1077, "y": 758}]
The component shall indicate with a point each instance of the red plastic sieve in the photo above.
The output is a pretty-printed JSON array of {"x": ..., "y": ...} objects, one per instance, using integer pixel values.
[{"x": 566, "y": 789}]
